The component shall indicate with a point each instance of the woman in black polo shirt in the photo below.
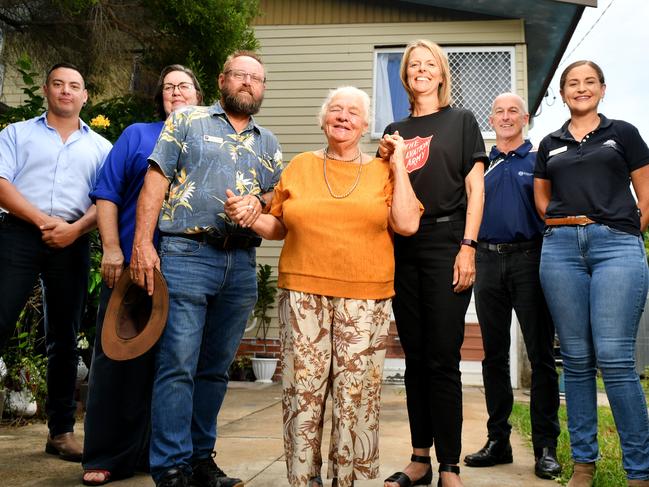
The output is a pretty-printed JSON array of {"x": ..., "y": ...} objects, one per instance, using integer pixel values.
[{"x": 593, "y": 266}]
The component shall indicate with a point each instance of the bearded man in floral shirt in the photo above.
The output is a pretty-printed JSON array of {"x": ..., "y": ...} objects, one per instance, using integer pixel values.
[{"x": 207, "y": 260}]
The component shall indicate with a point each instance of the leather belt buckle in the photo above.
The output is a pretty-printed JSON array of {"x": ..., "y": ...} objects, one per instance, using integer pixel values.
[
  {"x": 503, "y": 248},
  {"x": 581, "y": 220}
]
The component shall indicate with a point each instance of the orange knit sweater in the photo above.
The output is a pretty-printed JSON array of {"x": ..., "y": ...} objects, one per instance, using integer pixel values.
[{"x": 335, "y": 247}]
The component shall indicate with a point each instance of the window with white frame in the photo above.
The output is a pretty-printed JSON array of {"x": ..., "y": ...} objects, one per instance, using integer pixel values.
[{"x": 479, "y": 74}]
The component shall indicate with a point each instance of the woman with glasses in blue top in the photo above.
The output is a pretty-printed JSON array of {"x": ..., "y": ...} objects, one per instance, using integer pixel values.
[{"x": 119, "y": 398}]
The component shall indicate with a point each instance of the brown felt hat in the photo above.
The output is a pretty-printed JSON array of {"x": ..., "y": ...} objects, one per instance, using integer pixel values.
[{"x": 134, "y": 320}]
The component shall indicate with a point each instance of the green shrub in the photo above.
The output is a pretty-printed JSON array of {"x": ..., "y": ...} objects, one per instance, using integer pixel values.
[
  {"x": 33, "y": 105},
  {"x": 119, "y": 112}
]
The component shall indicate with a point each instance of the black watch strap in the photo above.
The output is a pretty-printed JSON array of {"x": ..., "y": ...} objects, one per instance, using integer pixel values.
[
  {"x": 469, "y": 242},
  {"x": 261, "y": 199}
]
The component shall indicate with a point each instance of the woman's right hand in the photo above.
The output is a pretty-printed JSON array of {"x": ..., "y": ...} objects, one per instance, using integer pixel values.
[
  {"x": 398, "y": 150},
  {"x": 112, "y": 265},
  {"x": 386, "y": 145}
]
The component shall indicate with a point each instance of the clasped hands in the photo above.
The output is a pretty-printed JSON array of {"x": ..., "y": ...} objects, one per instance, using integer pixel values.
[
  {"x": 392, "y": 148},
  {"x": 242, "y": 210},
  {"x": 57, "y": 233}
]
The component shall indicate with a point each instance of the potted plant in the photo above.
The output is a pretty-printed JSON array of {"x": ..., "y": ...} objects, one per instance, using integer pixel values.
[
  {"x": 263, "y": 364},
  {"x": 25, "y": 378},
  {"x": 25, "y": 367},
  {"x": 241, "y": 369}
]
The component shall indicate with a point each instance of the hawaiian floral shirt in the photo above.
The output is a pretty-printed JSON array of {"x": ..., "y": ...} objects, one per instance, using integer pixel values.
[{"x": 202, "y": 155}]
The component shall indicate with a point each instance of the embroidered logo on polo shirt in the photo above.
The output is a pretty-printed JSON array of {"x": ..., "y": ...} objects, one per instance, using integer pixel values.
[
  {"x": 417, "y": 151},
  {"x": 525, "y": 173},
  {"x": 610, "y": 143}
]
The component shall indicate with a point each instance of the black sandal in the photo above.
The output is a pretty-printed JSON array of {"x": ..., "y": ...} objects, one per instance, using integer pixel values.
[
  {"x": 404, "y": 481},
  {"x": 443, "y": 467}
]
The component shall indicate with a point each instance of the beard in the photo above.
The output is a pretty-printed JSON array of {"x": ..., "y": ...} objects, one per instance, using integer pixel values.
[{"x": 238, "y": 103}]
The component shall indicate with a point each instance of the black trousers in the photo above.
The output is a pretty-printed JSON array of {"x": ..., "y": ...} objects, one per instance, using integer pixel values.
[
  {"x": 118, "y": 415},
  {"x": 430, "y": 321},
  {"x": 505, "y": 281},
  {"x": 64, "y": 279}
]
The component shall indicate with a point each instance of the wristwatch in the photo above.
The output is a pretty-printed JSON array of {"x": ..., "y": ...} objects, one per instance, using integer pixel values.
[
  {"x": 261, "y": 199},
  {"x": 469, "y": 242}
]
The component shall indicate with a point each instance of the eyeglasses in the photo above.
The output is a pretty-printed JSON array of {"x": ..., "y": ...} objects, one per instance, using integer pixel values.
[
  {"x": 184, "y": 87},
  {"x": 242, "y": 75}
]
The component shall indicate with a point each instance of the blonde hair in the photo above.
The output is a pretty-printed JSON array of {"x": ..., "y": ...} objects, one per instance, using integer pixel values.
[
  {"x": 350, "y": 91},
  {"x": 444, "y": 88}
]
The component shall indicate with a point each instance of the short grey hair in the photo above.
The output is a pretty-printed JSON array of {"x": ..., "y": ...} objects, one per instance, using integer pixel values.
[
  {"x": 519, "y": 98},
  {"x": 350, "y": 91}
]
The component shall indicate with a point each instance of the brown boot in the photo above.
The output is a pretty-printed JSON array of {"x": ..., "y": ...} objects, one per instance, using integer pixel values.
[
  {"x": 582, "y": 475},
  {"x": 65, "y": 446},
  {"x": 637, "y": 483}
]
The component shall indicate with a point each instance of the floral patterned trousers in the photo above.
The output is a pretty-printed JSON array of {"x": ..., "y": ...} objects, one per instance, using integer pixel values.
[{"x": 337, "y": 346}]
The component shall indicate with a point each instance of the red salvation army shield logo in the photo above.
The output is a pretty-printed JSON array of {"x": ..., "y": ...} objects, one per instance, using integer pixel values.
[{"x": 417, "y": 150}]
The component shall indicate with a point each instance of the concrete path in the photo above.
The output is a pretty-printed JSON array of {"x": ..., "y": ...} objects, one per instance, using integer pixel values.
[{"x": 250, "y": 445}]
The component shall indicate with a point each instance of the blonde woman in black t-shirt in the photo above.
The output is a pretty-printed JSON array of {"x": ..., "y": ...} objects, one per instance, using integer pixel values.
[
  {"x": 593, "y": 267},
  {"x": 435, "y": 268}
]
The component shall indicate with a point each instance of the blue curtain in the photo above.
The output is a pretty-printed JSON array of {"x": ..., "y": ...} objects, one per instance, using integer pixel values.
[{"x": 400, "y": 104}]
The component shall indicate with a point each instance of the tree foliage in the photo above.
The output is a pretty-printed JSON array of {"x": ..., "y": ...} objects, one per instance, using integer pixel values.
[{"x": 105, "y": 37}]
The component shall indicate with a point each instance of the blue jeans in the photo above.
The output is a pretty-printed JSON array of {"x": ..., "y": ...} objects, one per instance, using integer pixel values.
[
  {"x": 595, "y": 281},
  {"x": 211, "y": 294}
]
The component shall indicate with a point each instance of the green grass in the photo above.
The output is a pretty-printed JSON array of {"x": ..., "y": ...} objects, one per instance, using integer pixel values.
[{"x": 609, "y": 471}]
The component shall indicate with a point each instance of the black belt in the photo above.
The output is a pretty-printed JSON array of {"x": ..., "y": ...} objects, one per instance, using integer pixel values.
[
  {"x": 9, "y": 218},
  {"x": 228, "y": 242},
  {"x": 459, "y": 215},
  {"x": 506, "y": 248}
]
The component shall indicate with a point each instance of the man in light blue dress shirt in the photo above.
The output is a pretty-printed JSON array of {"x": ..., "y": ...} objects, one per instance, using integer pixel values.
[{"x": 48, "y": 165}]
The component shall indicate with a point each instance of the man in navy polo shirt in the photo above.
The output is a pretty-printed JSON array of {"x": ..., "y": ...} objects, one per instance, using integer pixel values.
[{"x": 507, "y": 276}]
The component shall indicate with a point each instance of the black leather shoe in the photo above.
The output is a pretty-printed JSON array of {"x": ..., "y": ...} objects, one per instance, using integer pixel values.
[
  {"x": 547, "y": 466},
  {"x": 493, "y": 453},
  {"x": 206, "y": 473},
  {"x": 174, "y": 477}
]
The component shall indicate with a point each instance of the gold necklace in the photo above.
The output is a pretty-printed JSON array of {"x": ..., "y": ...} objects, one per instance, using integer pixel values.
[
  {"x": 326, "y": 152},
  {"x": 359, "y": 156}
]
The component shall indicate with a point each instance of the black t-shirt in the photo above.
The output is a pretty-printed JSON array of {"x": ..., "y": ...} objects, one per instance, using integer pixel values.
[
  {"x": 441, "y": 150},
  {"x": 592, "y": 177}
]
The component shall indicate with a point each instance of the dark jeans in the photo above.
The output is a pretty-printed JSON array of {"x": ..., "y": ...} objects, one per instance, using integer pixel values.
[
  {"x": 64, "y": 278},
  {"x": 505, "y": 281},
  {"x": 430, "y": 321},
  {"x": 118, "y": 416}
]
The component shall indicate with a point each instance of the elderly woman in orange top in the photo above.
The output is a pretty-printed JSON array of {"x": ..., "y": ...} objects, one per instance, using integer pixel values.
[{"x": 337, "y": 209}]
